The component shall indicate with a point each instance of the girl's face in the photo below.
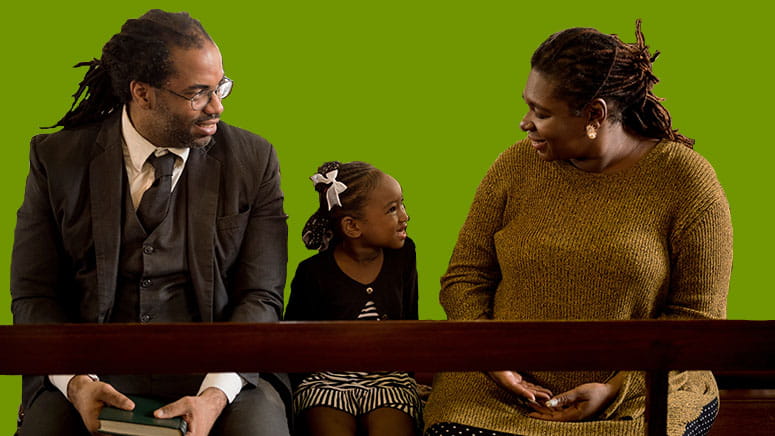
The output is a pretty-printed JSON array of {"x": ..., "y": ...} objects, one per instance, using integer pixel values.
[{"x": 384, "y": 219}]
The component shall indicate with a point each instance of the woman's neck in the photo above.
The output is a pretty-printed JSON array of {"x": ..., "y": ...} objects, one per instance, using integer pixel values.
[{"x": 619, "y": 150}]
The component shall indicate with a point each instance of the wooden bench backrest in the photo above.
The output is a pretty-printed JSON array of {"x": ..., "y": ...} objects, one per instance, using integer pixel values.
[{"x": 652, "y": 346}]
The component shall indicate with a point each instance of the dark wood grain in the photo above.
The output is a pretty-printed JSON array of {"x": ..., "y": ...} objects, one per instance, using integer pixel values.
[
  {"x": 396, "y": 345},
  {"x": 427, "y": 346},
  {"x": 656, "y": 407},
  {"x": 745, "y": 412}
]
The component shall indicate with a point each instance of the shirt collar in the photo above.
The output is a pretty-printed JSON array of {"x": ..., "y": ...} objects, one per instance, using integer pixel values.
[{"x": 140, "y": 148}]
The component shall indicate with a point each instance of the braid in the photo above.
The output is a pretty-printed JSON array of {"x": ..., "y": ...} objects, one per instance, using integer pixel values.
[
  {"x": 322, "y": 231},
  {"x": 97, "y": 101},
  {"x": 141, "y": 51},
  {"x": 586, "y": 64},
  {"x": 646, "y": 114}
]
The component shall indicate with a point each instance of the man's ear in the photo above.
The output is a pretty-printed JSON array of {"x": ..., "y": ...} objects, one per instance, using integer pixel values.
[
  {"x": 142, "y": 94},
  {"x": 350, "y": 227},
  {"x": 596, "y": 112}
]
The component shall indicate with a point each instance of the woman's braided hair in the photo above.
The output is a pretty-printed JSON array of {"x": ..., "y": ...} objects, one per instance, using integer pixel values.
[
  {"x": 322, "y": 230},
  {"x": 141, "y": 51},
  {"x": 586, "y": 64}
]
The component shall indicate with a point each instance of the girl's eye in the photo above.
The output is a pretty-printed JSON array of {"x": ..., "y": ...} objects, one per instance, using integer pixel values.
[
  {"x": 392, "y": 209},
  {"x": 541, "y": 116}
]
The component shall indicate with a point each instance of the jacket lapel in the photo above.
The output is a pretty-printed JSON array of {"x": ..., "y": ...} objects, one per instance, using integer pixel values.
[
  {"x": 106, "y": 175},
  {"x": 202, "y": 183}
]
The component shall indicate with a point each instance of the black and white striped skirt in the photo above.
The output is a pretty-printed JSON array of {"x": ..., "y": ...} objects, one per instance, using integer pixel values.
[{"x": 358, "y": 393}]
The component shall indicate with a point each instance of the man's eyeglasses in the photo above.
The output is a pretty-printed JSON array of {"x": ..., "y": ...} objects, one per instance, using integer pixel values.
[{"x": 203, "y": 97}]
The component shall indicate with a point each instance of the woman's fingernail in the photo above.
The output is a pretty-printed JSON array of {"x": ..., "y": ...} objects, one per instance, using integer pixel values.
[{"x": 553, "y": 402}]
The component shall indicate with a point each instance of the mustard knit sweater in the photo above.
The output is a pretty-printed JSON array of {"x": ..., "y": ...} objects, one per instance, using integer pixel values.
[{"x": 547, "y": 241}]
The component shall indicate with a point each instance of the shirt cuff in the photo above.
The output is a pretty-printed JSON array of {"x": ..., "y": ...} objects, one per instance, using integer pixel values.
[
  {"x": 230, "y": 383},
  {"x": 62, "y": 380}
]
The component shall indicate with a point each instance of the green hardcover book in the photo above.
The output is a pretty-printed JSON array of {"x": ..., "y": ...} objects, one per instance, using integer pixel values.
[{"x": 140, "y": 421}]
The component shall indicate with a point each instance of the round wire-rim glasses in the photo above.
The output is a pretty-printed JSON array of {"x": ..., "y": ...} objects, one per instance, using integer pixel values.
[{"x": 202, "y": 98}]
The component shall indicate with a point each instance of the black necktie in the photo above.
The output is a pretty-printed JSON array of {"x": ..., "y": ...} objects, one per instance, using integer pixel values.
[{"x": 155, "y": 202}]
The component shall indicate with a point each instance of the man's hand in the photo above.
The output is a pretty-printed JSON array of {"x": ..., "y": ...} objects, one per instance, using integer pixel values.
[
  {"x": 89, "y": 396},
  {"x": 577, "y": 404},
  {"x": 199, "y": 412},
  {"x": 514, "y": 383}
]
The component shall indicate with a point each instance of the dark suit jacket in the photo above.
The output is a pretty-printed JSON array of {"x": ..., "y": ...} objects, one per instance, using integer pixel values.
[{"x": 68, "y": 232}]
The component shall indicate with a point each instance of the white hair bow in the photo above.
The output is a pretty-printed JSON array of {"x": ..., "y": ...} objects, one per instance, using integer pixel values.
[{"x": 336, "y": 188}]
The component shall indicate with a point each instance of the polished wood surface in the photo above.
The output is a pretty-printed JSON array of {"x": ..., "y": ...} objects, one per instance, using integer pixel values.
[
  {"x": 653, "y": 346},
  {"x": 395, "y": 345}
]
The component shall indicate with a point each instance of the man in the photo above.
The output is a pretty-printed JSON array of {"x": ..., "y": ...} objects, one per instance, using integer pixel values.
[{"x": 145, "y": 208}]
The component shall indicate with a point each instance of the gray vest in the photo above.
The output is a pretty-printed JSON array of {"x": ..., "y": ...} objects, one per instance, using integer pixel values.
[{"x": 154, "y": 287}]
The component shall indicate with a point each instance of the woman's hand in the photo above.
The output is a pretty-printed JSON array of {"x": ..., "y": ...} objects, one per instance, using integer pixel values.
[
  {"x": 578, "y": 403},
  {"x": 514, "y": 383}
]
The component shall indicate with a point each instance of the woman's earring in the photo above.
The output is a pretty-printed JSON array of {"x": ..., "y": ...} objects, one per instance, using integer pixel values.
[{"x": 591, "y": 131}]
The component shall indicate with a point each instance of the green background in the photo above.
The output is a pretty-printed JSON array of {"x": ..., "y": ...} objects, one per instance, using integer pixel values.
[{"x": 427, "y": 91}]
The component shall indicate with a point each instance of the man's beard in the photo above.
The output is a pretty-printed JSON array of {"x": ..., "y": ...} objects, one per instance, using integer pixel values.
[{"x": 182, "y": 138}]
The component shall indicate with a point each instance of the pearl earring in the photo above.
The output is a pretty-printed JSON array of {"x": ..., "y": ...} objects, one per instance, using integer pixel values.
[{"x": 591, "y": 131}]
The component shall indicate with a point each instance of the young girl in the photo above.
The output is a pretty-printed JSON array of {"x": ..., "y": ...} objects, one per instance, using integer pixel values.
[{"x": 365, "y": 270}]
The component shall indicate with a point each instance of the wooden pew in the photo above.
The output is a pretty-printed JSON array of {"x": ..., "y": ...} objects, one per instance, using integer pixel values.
[
  {"x": 427, "y": 346},
  {"x": 747, "y": 403}
]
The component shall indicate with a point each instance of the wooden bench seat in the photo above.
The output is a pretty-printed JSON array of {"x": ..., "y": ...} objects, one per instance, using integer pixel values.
[{"x": 747, "y": 404}]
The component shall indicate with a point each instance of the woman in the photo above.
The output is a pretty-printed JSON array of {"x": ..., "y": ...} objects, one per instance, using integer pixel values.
[{"x": 603, "y": 212}]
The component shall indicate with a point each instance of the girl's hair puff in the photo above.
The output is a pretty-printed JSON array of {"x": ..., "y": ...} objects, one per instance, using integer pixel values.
[{"x": 322, "y": 229}]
